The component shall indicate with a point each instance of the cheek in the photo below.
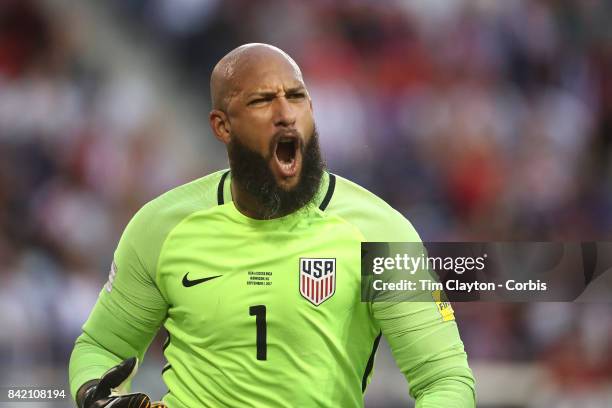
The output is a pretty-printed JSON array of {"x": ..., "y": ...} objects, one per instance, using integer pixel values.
[
  {"x": 253, "y": 135},
  {"x": 306, "y": 123}
]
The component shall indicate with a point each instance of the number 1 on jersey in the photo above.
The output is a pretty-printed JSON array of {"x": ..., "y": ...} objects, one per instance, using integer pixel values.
[{"x": 259, "y": 312}]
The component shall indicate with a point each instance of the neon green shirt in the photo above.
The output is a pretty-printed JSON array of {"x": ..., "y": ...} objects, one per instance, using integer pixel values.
[{"x": 265, "y": 313}]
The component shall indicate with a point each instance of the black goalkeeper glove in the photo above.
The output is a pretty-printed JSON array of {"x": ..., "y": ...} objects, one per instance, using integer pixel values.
[{"x": 107, "y": 392}]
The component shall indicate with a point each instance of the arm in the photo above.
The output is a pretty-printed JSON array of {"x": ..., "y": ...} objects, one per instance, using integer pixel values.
[
  {"x": 422, "y": 332},
  {"x": 128, "y": 313},
  {"x": 429, "y": 352},
  {"x": 425, "y": 344}
]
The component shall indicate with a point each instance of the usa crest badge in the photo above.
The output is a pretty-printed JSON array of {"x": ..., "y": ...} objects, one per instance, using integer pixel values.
[{"x": 317, "y": 279}]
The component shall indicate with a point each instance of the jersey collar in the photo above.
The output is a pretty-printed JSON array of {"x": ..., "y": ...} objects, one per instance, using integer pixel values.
[{"x": 322, "y": 197}]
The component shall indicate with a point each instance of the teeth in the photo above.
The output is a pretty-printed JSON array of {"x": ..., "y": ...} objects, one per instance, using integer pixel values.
[
  {"x": 285, "y": 139},
  {"x": 287, "y": 165}
]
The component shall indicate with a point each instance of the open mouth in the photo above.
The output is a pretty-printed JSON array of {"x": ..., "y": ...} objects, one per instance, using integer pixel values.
[{"x": 287, "y": 155}]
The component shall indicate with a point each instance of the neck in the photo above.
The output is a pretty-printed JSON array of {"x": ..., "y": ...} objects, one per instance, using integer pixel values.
[{"x": 247, "y": 204}]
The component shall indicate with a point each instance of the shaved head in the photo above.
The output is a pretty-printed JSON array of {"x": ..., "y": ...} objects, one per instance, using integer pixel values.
[
  {"x": 226, "y": 78},
  {"x": 262, "y": 112}
]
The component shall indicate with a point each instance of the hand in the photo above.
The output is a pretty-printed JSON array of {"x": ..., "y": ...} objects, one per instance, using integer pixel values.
[{"x": 108, "y": 392}]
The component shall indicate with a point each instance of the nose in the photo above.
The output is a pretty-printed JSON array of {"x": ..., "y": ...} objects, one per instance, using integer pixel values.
[{"x": 284, "y": 115}]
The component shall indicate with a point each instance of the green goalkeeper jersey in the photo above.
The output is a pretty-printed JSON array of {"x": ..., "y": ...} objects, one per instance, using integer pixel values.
[{"x": 266, "y": 313}]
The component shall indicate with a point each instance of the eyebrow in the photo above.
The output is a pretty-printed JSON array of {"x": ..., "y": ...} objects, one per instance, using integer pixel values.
[{"x": 292, "y": 90}]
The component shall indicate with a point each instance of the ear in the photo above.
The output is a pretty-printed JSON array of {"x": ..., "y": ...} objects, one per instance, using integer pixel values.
[{"x": 220, "y": 125}]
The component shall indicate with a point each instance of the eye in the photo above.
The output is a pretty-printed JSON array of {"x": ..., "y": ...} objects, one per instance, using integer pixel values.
[
  {"x": 296, "y": 95},
  {"x": 259, "y": 101}
]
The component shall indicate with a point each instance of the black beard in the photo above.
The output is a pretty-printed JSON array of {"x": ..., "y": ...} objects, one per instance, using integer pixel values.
[{"x": 253, "y": 174}]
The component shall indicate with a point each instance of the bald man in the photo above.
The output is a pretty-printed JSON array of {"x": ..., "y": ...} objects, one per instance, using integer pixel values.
[{"x": 254, "y": 272}]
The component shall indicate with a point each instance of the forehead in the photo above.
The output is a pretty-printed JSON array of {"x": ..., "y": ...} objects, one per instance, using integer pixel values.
[{"x": 268, "y": 73}]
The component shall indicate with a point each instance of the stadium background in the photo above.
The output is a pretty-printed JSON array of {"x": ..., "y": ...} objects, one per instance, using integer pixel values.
[{"x": 478, "y": 120}]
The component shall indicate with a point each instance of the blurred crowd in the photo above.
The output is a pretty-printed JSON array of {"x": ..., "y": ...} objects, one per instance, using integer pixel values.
[
  {"x": 478, "y": 120},
  {"x": 81, "y": 149}
]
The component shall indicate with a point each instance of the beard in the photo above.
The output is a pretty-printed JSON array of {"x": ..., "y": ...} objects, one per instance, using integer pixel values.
[{"x": 252, "y": 171}]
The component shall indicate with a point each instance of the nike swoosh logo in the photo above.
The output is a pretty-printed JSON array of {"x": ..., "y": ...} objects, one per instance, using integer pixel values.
[{"x": 188, "y": 283}]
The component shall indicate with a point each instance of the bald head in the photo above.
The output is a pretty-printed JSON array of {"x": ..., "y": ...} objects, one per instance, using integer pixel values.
[
  {"x": 247, "y": 60},
  {"x": 263, "y": 113}
]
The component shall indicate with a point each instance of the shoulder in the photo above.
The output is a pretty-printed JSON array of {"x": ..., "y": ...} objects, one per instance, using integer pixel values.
[
  {"x": 376, "y": 219},
  {"x": 149, "y": 227},
  {"x": 193, "y": 196}
]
